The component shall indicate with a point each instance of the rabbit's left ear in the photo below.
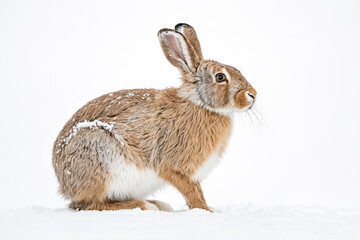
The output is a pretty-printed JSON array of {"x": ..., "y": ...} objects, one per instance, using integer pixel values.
[{"x": 178, "y": 51}]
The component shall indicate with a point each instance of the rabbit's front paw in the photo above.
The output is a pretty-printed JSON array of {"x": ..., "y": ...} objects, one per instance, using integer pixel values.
[
  {"x": 151, "y": 206},
  {"x": 200, "y": 205},
  {"x": 162, "y": 206}
]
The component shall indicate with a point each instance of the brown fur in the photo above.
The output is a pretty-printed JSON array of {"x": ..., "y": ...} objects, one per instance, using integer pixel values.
[
  {"x": 105, "y": 205},
  {"x": 188, "y": 188},
  {"x": 172, "y": 131}
]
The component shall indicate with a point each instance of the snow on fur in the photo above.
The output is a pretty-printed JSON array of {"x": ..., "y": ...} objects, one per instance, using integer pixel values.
[
  {"x": 85, "y": 124},
  {"x": 88, "y": 124}
]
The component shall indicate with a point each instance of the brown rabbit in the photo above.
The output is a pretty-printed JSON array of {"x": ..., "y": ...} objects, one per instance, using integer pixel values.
[{"x": 123, "y": 146}]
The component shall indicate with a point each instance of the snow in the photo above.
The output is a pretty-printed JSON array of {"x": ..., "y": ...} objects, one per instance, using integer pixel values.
[
  {"x": 89, "y": 124},
  {"x": 232, "y": 222},
  {"x": 85, "y": 124}
]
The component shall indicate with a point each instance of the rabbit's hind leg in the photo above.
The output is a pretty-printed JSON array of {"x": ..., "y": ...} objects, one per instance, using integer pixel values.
[{"x": 110, "y": 205}]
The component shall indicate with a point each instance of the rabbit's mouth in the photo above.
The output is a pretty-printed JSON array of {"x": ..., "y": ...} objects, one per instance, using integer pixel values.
[{"x": 252, "y": 104}]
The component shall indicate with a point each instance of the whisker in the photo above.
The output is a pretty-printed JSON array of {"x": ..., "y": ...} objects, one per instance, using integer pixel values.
[
  {"x": 261, "y": 124},
  {"x": 262, "y": 117},
  {"x": 260, "y": 110},
  {"x": 251, "y": 121},
  {"x": 257, "y": 122}
]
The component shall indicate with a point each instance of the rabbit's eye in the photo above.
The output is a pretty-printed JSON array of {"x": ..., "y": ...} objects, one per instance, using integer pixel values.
[{"x": 220, "y": 77}]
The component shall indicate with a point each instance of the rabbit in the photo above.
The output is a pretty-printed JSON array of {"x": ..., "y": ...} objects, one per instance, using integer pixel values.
[{"x": 125, "y": 145}]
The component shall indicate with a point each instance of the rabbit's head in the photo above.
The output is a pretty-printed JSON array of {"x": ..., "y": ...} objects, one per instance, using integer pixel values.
[{"x": 215, "y": 86}]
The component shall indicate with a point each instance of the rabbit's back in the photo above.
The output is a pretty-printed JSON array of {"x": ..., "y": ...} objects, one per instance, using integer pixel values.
[{"x": 123, "y": 107}]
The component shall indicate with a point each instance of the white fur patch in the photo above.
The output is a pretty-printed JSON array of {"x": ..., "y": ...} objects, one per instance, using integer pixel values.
[
  {"x": 185, "y": 51},
  {"x": 207, "y": 167},
  {"x": 222, "y": 111},
  {"x": 226, "y": 74},
  {"x": 163, "y": 206},
  {"x": 150, "y": 206},
  {"x": 193, "y": 96},
  {"x": 128, "y": 182}
]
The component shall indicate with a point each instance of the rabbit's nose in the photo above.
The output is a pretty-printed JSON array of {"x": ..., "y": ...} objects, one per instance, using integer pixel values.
[{"x": 251, "y": 95}]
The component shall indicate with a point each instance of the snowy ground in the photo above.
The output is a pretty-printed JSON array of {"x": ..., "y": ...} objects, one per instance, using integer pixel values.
[{"x": 231, "y": 222}]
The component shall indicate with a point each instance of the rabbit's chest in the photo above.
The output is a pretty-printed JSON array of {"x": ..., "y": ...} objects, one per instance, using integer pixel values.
[{"x": 207, "y": 166}]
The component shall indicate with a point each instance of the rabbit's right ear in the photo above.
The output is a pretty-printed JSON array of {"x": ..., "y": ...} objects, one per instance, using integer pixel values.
[
  {"x": 190, "y": 34},
  {"x": 178, "y": 51}
]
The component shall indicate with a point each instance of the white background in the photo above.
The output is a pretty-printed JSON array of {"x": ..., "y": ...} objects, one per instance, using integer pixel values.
[{"x": 303, "y": 57}]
